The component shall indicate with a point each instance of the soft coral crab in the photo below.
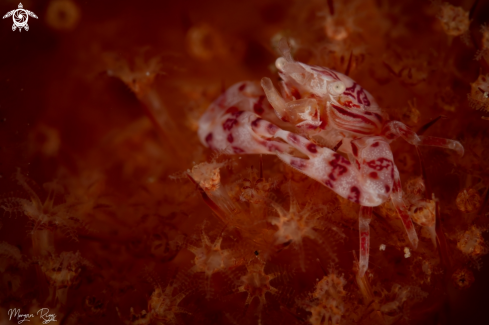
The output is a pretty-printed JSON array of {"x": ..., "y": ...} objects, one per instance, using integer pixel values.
[{"x": 317, "y": 102}]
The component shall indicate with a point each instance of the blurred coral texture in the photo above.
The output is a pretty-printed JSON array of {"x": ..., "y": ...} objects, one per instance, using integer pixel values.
[{"x": 113, "y": 212}]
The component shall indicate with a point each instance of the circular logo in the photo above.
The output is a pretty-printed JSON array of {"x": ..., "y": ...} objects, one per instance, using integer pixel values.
[{"x": 20, "y": 18}]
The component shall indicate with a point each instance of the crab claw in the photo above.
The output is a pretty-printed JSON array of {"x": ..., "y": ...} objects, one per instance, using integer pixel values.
[{"x": 236, "y": 123}]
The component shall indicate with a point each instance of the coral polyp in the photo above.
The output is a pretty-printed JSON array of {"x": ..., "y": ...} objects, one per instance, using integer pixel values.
[{"x": 210, "y": 258}]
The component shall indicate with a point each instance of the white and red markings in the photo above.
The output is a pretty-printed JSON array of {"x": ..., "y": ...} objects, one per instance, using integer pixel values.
[{"x": 245, "y": 119}]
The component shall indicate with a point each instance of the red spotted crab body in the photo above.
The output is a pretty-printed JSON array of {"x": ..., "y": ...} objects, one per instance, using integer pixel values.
[
  {"x": 238, "y": 122},
  {"x": 317, "y": 102}
]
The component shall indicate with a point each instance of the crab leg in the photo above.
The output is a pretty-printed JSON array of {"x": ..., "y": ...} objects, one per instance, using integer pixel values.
[
  {"x": 395, "y": 129},
  {"x": 364, "y": 218},
  {"x": 360, "y": 185},
  {"x": 396, "y": 197}
]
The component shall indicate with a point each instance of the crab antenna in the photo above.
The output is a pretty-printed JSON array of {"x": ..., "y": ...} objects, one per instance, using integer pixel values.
[{"x": 284, "y": 49}]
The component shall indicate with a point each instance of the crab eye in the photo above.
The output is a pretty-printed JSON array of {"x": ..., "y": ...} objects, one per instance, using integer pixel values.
[
  {"x": 280, "y": 63},
  {"x": 336, "y": 88}
]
